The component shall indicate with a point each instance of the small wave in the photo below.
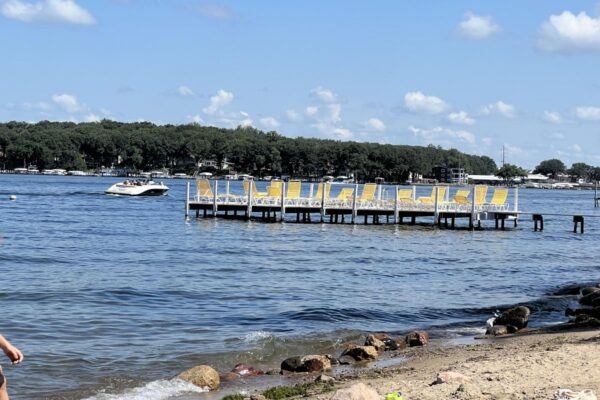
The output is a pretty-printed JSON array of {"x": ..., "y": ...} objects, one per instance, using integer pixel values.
[
  {"x": 256, "y": 336},
  {"x": 156, "y": 390}
]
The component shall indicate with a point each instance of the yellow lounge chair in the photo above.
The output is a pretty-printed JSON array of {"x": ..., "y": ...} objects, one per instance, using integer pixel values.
[
  {"x": 274, "y": 189},
  {"x": 204, "y": 191},
  {"x": 462, "y": 197},
  {"x": 368, "y": 192},
  {"x": 480, "y": 195},
  {"x": 345, "y": 194},
  {"x": 405, "y": 196},
  {"x": 499, "y": 198},
  {"x": 293, "y": 189},
  {"x": 431, "y": 199},
  {"x": 255, "y": 192},
  {"x": 319, "y": 194}
]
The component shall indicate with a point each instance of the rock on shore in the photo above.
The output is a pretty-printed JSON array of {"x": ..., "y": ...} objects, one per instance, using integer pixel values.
[
  {"x": 202, "y": 376},
  {"x": 309, "y": 363}
]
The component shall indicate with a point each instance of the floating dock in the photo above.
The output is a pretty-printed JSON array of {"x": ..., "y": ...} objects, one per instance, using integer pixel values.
[{"x": 283, "y": 202}]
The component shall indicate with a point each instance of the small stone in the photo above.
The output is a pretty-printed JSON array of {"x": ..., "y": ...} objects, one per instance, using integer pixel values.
[
  {"x": 310, "y": 363},
  {"x": 451, "y": 377},
  {"x": 202, "y": 376},
  {"x": 417, "y": 338},
  {"x": 325, "y": 378},
  {"x": 362, "y": 353},
  {"x": 373, "y": 341},
  {"x": 497, "y": 330},
  {"x": 359, "y": 391}
]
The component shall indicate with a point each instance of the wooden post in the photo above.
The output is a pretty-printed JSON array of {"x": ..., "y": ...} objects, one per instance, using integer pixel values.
[
  {"x": 576, "y": 220},
  {"x": 414, "y": 193},
  {"x": 472, "y": 219},
  {"x": 215, "y": 191},
  {"x": 310, "y": 194},
  {"x": 396, "y": 205},
  {"x": 324, "y": 188},
  {"x": 436, "y": 211},
  {"x": 536, "y": 218},
  {"x": 282, "y": 209},
  {"x": 249, "y": 205},
  {"x": 187, "y": 201},
  {"x": 596, "y": 194},
  {"x": 227, "y": 191},
  {"x": 354, "y": 205}
]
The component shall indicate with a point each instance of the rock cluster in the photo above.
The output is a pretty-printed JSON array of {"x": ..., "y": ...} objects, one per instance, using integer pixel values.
[{"x": 510, "y": 321}]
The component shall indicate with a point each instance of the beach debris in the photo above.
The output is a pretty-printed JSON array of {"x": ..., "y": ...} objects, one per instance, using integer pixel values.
[
  {"x": 394, "y": 396},
  {"x": 309, "y": 363},
  {"x": 359, "y": 391},
  {"x": 451, "y": 377},
  {"x": 325, "y": 378},
  {"x": 202, "y": 376},
  {"x": 362, "y": 353},
  {"x": 516, "y": 316},
  {"x": 246, "y": 370},
  {"x": 567, "y": 394},
  {"x": 373, "y": 341},
  {"x": 420, "y": 338}
]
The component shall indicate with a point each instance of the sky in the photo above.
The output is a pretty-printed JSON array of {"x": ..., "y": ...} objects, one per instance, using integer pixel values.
[{"x": 478, "y": 76}]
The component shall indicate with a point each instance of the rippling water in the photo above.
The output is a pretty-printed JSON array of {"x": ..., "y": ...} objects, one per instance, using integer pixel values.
[{"x": 108, "y": 294}]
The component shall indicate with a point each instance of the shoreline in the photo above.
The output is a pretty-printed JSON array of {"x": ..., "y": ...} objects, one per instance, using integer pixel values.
[{"x": 528, "y": 365}]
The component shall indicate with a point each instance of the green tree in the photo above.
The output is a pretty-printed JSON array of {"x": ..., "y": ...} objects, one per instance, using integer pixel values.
[
  {"x": 509, "y": 171},
  {"x": 580, "y": 170},
  {"x": 551, "y": 167}
]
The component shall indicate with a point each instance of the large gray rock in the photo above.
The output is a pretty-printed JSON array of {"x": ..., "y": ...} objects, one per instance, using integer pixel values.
[
  {"x": 517, "y": 317},
  {"x": 362, "y": 353},
  {"x": 202, "y": 376},
  {"x": 310, "y": 363}
]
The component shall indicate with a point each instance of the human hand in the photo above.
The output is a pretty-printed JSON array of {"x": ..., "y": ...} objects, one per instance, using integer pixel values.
[{"x": 13, "y": 354}]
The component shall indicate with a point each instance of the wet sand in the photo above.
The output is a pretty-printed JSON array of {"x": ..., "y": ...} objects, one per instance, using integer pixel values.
[{"x": 523, "y": 366}]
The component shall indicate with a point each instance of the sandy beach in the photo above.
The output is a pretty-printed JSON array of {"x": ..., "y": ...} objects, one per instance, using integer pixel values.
[{"x": 524, "y": 366}]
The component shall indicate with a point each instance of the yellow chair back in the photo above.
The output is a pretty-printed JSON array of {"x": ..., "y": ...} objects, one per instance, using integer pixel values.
[
  {"x": 499, "y": 197},
  {"x": 480, "y": 194},
  {"x": 203, "y": 188},
  {"x": 345, "y": 193},
  {"x": 319, "y": 194},
  {"x": 293, "y": 189},
  {"x": 368, "y": 193},
  {"x": 405, "y": 195}
]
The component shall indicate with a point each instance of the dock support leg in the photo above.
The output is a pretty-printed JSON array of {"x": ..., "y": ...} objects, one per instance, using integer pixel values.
[
  {"x": 516, "y": 222},
  {"x": 366, "y": 219},
  {"x": 502, "y": 224},
  {"x": 401, "y": 220},
  {"x": 496, "y": 221},
  {"x": 204, "y": 213},
  {"x": 453, "y": 221},
  {"x": 413, "y": 220},
  {"x": 343, "y": 218},
  {"x": 577, "y": 219},
  {"x": 536, "y": 218},
  {"x": 330, "y": 218},
  {"x": 197, "y": 213}
]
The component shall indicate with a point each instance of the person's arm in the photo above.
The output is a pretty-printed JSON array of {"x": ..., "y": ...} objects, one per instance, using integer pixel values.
[{"x": 11, "y": 351}]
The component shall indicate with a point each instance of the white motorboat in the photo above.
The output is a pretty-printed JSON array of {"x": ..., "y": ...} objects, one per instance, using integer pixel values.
[{"x": 139, "y": 187}]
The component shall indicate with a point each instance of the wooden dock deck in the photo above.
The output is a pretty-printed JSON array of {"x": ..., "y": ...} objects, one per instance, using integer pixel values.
[{"x": 214, "y": 199}]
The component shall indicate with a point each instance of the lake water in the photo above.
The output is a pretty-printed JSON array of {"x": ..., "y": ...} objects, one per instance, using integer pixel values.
[{"x": 109, "y": 297}]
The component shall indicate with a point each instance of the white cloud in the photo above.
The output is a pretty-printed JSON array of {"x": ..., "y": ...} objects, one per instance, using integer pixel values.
[
  {"x": 185, "y": 91},
  {"x": 218, "y": 101},
  {"x": 588, "y": 113},
  {"x": 215, "y": 11},
  {"x": 477, "y": 27},
  {"x": 461, "y": 118},
  {"x": 196, "y": 119},
  {"x": 499, "y": 108},
  {"x": 269, "y": 122},
  {"x": 568, "y": 32},
  {"x": 293, "y": 116},
  {"x": 326, "y": 117},
  {"x": 509, "y": 149},
  {"x": 67, "y": 11},
  {"x": 552, "y": 116},
  {"x": 67, "y": 102},
  {"x": 576, "y": 148},
  {"x": 375, "y": 124},
  {"x": 39, "y": 106},
  {"x": 443, "y": 135},
  {"x": 91, "y": 117},
  {"x": 418, "y": 102},
  {"x": 325, "y": 95}
]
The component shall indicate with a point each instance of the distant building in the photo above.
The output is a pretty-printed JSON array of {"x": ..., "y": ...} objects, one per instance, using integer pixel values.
[
  {"x": 484, "y": 179},
  {"x": 449, "y": 175}
]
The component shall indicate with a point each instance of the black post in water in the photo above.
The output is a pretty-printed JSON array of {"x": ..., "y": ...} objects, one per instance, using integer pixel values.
[
  {"x": 536, "y": 218},
  {"x": 577, "y": 219}
]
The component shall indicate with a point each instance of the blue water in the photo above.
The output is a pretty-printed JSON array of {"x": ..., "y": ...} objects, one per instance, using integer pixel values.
[{"x": 105, "y": 294}]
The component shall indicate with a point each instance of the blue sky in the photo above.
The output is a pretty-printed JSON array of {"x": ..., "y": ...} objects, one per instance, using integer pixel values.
[{"x": 472, "y": 75}]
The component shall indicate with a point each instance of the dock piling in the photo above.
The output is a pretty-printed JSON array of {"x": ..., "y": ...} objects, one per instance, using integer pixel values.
[
  {"x": 187, "y": 201},
  {"x": 354, "y": 203},
  {"x": 436, "y": 211},
  {"x": 282, "y": 209},
  {"x": 577, "y": 219},
  {"x": 324, "y": 186},
  {"x": 538, "y": 218},
  {"x": 215, "y": 192},
  {"x": 396, "y": 205}
]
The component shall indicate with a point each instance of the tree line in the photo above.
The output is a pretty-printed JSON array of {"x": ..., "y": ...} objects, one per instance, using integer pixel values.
[{"x": 179, "y": 148}]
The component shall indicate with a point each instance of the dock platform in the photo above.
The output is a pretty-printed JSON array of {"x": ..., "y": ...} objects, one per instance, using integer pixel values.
[{"x": 213, "y": 198}]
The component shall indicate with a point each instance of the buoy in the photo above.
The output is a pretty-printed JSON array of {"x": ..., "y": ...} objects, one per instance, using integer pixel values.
[{"x": 13, "y": 197}]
